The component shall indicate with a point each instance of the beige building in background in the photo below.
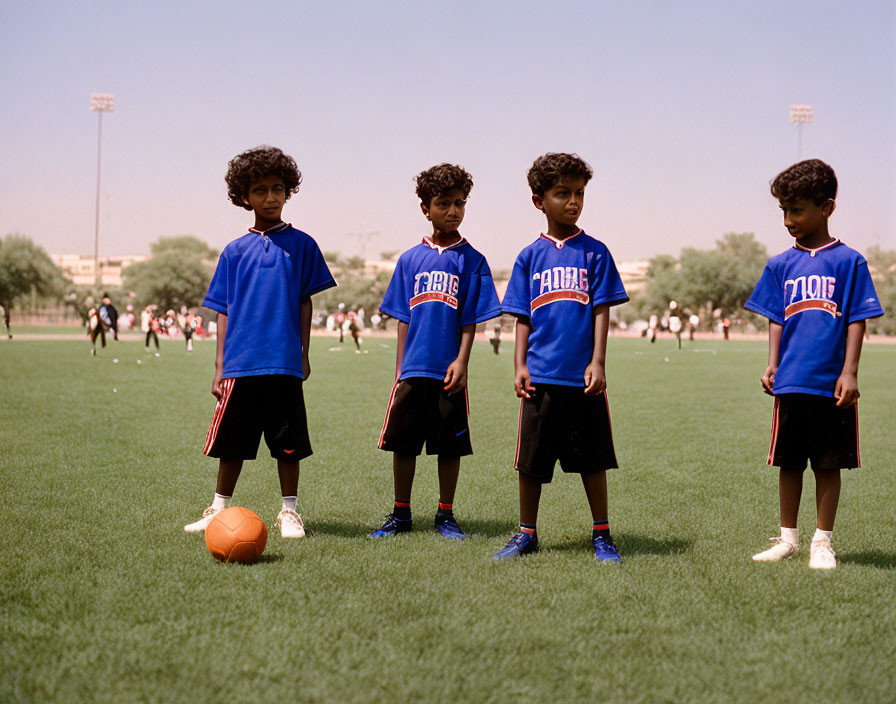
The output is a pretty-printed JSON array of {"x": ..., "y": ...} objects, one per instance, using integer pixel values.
[{"x": 80, "y": 269}]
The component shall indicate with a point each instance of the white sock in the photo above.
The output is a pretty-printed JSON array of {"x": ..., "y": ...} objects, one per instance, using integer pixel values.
[
  {"x": 791, "y": 535},
  {"x": 290, "y": 502},
  {"x": 221, "y": 501},
  {"x": 822, "y": 535}
]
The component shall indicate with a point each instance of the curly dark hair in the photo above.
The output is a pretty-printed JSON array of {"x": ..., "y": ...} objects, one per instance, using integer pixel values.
[
  {"x": 255, "y": 164},
  {"x": 441, "y": 179},
  {"x": 808, "y": 179},
  {"x": 549, "y": 168}
]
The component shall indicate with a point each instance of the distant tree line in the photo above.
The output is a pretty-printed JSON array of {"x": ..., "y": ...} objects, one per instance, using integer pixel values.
[{"x": 711, "y": 283}]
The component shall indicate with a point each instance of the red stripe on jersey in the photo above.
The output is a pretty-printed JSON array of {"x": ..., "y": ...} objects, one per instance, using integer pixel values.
[
  {"x": 553, "y": 296},
  {"x": 811, "y": 304},
  {"x": 388, "y": 411},
  {"x": 430, "y": 296}
]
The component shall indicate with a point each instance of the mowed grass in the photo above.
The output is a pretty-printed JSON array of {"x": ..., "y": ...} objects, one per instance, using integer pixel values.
[{"x": 105, "y": 598}]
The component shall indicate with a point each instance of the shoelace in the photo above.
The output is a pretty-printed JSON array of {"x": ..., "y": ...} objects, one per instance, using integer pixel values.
[
  {"x": 291, "y": 517},
  {"x": 825, "y": 547},
  {"x": 209, "y": 511}
]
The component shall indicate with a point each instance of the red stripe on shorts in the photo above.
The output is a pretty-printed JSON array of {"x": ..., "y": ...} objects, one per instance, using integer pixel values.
[
  {"x": 220, "y": 407},
  {"x": 519, "y": 432},
  {"x": 771, "y": 449},
  {"x": 388, "y": 412},
  {"x": 858, "y": 454}
]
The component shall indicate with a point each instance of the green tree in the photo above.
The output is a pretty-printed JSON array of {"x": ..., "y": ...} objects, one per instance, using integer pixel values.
[
  {"x": 176, "y": 274},
  {"x": 882, "y": 265},
  {"x": 25, "y": 267},
  {"x": 704, "y": 280}
]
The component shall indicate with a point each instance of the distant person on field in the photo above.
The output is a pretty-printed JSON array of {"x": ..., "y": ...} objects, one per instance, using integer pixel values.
[
  {"x": 561, "y": 290},
  {"x": 261, "y": 362},
  {"x": 5, "y": 310},
  {"x": 149, "y": 323},
  {"x": 726, "y": 326},
  {"x": 95, "y": 328},
  {"x": 651, "y": 325},
  {"x": 438, "y": 292},
  {"x": 110, "y": 316},
  {"x": 185, "y": 322},
  {"x": 495, "y": 338},
  {"x": 817, "y": 296},
  {"x": 693, "y": 322},
  {"x": 339, "y": 322},
  {"x": 355, "y": 330}
]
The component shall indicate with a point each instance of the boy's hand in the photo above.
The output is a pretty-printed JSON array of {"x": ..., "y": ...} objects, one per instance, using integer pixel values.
[
  {"x": 846, "y": 391},
  {"x": 768, "y": 380},
  {"x": 595, "y": 379},
  {"x": 218, "y": 386},
  {"x": 306, "y": 367},
  {"x": 456, "y": 376},
  {"x": 522, "y": 383}
]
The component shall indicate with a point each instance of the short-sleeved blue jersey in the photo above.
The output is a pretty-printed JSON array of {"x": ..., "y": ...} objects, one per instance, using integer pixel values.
[
  {"x": 261, "y": 279},
  {"x": 557, "y": 284},
  {"x": 815, "y": 294},
  {"x": 437, "y": 290}
]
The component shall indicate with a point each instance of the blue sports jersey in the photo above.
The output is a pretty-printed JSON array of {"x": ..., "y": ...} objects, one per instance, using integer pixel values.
[
  {"x": 437, "y": 290},
  {"x": 815, "y": 294},
  {"x": 557, "y": 284},
  {"x": 261, "y": 279}
]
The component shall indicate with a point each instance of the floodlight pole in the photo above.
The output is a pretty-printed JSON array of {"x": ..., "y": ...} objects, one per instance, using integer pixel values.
[
  {"x": 99, "y": 103},
  {"x": 801, "y": 115}
]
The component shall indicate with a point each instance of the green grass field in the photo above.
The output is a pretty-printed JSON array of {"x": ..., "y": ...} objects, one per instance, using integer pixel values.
[{"x": 106, "y": 599}]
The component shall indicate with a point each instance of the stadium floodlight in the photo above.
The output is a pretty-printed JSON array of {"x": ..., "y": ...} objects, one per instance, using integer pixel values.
[
  {"x": 801, "y": 115},
  {"x": 99, "y": 103}
]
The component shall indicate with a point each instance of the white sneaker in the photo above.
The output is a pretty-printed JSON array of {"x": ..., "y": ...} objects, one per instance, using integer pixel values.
[
  {"x": 203, "y": 522},
  {"x": 821, "y": 556},
  {"x": 780, "y": 550},
  {"x": 290, "y": 523}
]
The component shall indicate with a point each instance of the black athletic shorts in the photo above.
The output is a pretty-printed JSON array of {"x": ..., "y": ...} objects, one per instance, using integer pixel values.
[
  {"x": 810, "y": 428},
  {"x": 421, "y": 411},
  {"x": 562, "y": 423},
  {"x": 273, "y": 404}
]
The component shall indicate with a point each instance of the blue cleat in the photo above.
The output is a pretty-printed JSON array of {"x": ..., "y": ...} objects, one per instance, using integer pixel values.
[
  {"x": 605, "y": 550},
  {"x": 448, "y": 528},
  {"x": 392, "y": 526},
  {"x": 518, "y": 545}
]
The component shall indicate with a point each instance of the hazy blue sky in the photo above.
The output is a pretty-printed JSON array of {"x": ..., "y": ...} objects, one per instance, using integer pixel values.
[{"x": 681, "y": 108}]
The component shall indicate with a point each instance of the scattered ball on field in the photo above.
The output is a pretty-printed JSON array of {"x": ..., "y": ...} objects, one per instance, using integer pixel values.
[
  {"x": 666, "y": 359},
  {"x": 139, "y": 361},
  {"x": 236, "y": 535},
  {"x": 114, "y": 391},
  {"x": 115, "y": 361}
]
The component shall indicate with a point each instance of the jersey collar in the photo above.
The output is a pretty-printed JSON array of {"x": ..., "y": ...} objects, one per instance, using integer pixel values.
[
  {"x": 271, "y": 230},
  {"x": 432, "y": 245},
  {"x": 559, "y": 243},
  {"x": 813, "y": 252}
]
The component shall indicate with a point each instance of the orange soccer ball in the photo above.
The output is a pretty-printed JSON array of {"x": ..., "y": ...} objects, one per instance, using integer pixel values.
[{"x": 236, "y": 535}]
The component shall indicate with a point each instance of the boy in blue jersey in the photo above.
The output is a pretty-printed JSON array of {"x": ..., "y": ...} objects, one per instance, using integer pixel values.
[
  {"x": 262, "y": 292},
  {"x": 560, "y": 291},
  {"x": 439, "y": 291},
  {"x": 817, "y": 296}
]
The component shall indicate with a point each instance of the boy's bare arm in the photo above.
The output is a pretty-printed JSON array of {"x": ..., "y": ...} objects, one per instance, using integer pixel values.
[
  {"x": 846, "y": 390},
  {"x": 399, "y": 350},
  {"x": 522, "y": 383},
  {"x": 595, "y": 372},
  {"x": 774, "y": 354},
  {"x": 218, "y": 383},
  {"x": 305, "y": 335},
  {"x": 456, "y": 376}
]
